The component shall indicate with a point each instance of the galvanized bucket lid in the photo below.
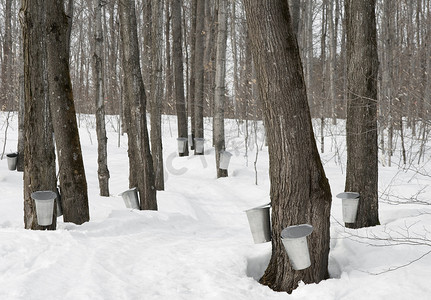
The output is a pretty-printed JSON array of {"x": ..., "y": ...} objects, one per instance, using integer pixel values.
[
  {"x": 296, "y": 231},
  {"x": 348, "y": 195},
  {"x": 43, "y": 195}
]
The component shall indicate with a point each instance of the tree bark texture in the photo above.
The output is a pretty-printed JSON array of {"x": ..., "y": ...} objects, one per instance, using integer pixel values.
[
  {"x": 73, "y": 183},
  {"x": 157, "y": 93},
  {"x": 295, "y": 9},
  {"x": 234, "y": 36},
  {"x": 39, "y": 153},
  {"x": 69, "y": 13},
  {"x": 6, "y": 95},
  {"x": 361, "y": 125},
  {"x": 141, "y": 172},
  {"x": 177, "y": 53},
  {"x": 309, "y": 46},
  {"x": 300, "y": 191},
  {"x": 102, "y": 140},
  {"x": 199, "y": 69},
  {"x": 147, "y": 44},
  {"x": 323, "y": 94},
  {"x": 192, "y": 83},
  {"x": 21, "y": 116},
  {"x": 168, "y": 69},
  {"x": 332, "y": 60},
  {"x": 220, "y": 89},
  {"x": 210, "y": 29}
]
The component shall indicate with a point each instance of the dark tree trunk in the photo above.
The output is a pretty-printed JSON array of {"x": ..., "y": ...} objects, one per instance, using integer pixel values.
[
  {"x": 39, "y": 154},
  {"x": 21, "y": 116},
  {"x": 141, "y": 173},
  {"x": 6, "y": 95},
  {"x": 333, "y": 37},
  {"x": 147, "y": 44},
  {"x": 157, "y": 93},
  {"x": 192, "y": 83},
  {"x": 112, "y": 75},
  {"x": 178, "y": 72},
  {"x": 220, "y": 89},
  {"x": 300, "y": 191},
  {"x": 199, "y": 70},
  {"x": 168, "y": 70},
  {"x": 210, "y": 28},
  {"x": 69, "y": 13},
  {"x": 295, "y": 9},
  {"x": 361, "y": 126},
  {"x": 102, "y": 140},
  {"x": 73, "y": 183},
  {"x": 234, "y": 37}
]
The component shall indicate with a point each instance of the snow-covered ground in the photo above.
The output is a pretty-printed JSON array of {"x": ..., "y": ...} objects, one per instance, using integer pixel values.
[{"x": 198, "y": 244}]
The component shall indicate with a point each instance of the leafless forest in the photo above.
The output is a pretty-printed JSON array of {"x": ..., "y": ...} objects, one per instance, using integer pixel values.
[
  {"x": 367, "y": 61},
  {"x": 403, "y": 37}
]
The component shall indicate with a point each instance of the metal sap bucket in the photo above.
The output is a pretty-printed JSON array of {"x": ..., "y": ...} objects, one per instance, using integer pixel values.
[
  {"x": 259, "y": 222},
  {"x": 12, "y": 159},
  {"x": 199, "y": 145},
  {"x": 224, "y": 159},
  {"x": 350, "y": 202},
  {"x": 130, "y": 198},
  {"x": 294, "y": 239},
  {"x": 44, "y": 201},
  {"x": 182, "y": 143}
]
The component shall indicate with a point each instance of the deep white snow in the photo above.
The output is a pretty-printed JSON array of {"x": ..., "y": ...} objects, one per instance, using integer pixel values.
[{"x": 198, "y": 244}]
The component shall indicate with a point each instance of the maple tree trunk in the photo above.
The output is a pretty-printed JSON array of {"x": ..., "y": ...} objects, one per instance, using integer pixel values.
[
  {"x": 361, "y": 125},
  {"x": 300, "y": 192},
  {"x": 141, "y": 173}
]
